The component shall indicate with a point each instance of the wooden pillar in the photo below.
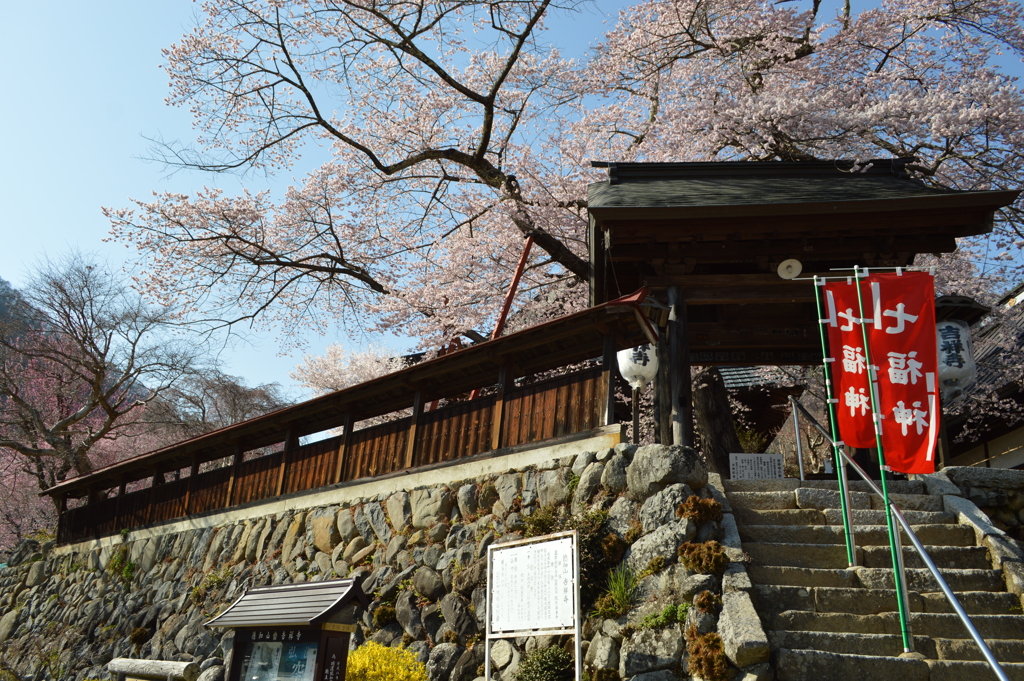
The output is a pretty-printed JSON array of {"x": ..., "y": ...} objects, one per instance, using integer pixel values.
[
  {"x": 346, "y": 439},
  {"x": 279, "y": 490},
  {"x": 117, "y": 506},
  {"x": 64, "y": 533},
  {"x": 498, "y": 415},
  {"x": 410, "y": 437},
  {"x": 608, "y": 361},
  {"x": 157, "y": 480},
  {"x": 662, "y": 391},
  {"x": 193, "y": 472},
  {"x": 679, "y": 370},
  {"x": 236, "y": 461}
]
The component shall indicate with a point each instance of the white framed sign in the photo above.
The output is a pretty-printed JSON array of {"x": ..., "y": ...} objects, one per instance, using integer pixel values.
[
  {"x": 533, "y": 589},
  {"x": 755, "y": 466}
]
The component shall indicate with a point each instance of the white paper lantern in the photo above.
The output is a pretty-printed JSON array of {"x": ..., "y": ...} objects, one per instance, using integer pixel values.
[
  {"x": 957, "y": 370},
  {"x": 638, "y": 365}
]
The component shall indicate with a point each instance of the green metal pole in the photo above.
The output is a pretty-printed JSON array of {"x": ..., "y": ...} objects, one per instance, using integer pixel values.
[
  {"x": 897, "y": 560},
  {"x": 851, "y": 553}
]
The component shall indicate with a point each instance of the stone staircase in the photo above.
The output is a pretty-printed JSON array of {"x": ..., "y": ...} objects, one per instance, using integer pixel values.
[{"x": 825, "y": 620}]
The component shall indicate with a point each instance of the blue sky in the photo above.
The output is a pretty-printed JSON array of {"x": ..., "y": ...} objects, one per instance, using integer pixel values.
[{"x": 84, "y": 92}]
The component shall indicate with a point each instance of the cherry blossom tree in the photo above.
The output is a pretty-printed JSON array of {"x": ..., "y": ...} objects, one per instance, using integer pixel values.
[
  {"x": 431, "y": 112},
  {"x": 200, "y": 403},
  {"x": 455, "y": 129},
  {"x": 79, "y": 362}
]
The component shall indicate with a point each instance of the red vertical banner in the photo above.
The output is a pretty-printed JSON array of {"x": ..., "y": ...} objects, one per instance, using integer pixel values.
[
  {"x": 899, "y": 311},
  {"x": 849, "y": 366}
]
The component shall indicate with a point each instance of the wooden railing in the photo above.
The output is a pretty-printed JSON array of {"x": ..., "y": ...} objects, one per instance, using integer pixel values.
[{"x": 552, "y": 408}]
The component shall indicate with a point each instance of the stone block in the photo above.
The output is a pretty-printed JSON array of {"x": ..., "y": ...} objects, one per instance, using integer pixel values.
[
  {"x": 552, "y": 487},
  {"x": 740, "y": 628},
  {"x": 649, "y": 650},
  {"x": 613, "y": 477},
  {"x": 655, "y": 467},
  {"x": 663, "y": 542},
  {"x": 660, "y": 508},
  {"x": 430, "y": 506},
  {"x": 399, "y": 510},
  {"x": 589, "y": 481},
  {"x": 322, "y": 528}
]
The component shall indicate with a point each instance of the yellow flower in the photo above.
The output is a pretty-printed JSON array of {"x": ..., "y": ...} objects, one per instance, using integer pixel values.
[{"x": 374, "y": 662}]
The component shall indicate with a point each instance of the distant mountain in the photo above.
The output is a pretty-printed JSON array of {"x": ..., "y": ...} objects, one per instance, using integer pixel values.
[{"x": 10, "y": 300}]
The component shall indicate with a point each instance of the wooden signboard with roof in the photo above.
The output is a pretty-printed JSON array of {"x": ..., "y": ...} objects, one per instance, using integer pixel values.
[{"x": 293, "y": 632}]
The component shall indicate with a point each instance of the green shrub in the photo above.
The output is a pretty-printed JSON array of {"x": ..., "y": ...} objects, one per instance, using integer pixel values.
[
  {"x": 708, "y": 602},
  {"x": 383, "y": 616},
  {"x": 614, "y": 548},
  {"x": 700, "y": 510},
  {"x": 374, "y": 662},
  {"x": 545, "y": 664},
  {"x": 618, "y": 597},
  {"x": 591, "y": 533},
  {"x": 543, "y": 521},
  {"x": 605, "y": 675},
  {"x": 634, "y": 531},
  {"x": 119, "y": 567},
  {"x": 707, "y": 558},
  {"x": 670, "y": 614},
  {"x": 139, "y": 636},
  {"x": 654, "y": 566},
  {"x": 706, "y": 656}
]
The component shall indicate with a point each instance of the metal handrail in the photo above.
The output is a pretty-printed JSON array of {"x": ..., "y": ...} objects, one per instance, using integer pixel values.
[{"x": 918, "y": 546}]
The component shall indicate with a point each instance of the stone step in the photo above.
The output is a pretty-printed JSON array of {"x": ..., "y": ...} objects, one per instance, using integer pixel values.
[
  {"x": 848, "y": 644},
  {"x": 792, "y": 484},
  {"x": 762, "y": 501},
  {"x": 815, "y": 665},
  {"x": 934, "y": 625},
  {"x": 959, "y": 670},
  {"x": 864, "y": 535},
  {"x": 832, "y": 516},
  {"x": 950, "y": 557},
  {"x": 1005, "y": 650},
  {"x": 828, "y": 556},
  {"x": 812, "y": 665},
  {"x": 749, "y": 516},
  {"x": 918, "y": 579},
  {"x": 772, "y": 599}
]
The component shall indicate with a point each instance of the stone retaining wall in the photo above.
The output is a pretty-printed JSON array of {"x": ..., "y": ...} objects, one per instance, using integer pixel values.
[
  {"x": 64, "y": 613},
  {"x": 998, "y": 492}
]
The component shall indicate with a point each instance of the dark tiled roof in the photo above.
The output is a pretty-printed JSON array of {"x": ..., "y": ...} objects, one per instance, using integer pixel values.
[{"x": 665, "y": 185}]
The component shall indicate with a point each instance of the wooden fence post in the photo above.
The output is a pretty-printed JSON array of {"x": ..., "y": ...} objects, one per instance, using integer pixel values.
[
  {"x": 120, "y": 495},
  {"x": 410, "y": 443},
  {"x": 498, "y": 415},
  {"x": 236, "y": 461},
  {"x": 193, "y": 472},
  {"x": 609, "y": 360},
  {"x": 346, "y": 439},
  {"x": 284, "y": 462}
]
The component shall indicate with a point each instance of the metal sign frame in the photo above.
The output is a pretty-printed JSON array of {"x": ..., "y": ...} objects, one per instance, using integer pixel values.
[{"x": 575, "y": 629}]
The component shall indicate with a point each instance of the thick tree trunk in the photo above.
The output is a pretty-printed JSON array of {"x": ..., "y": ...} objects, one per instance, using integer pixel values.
[{"x": 714, "y": 421}]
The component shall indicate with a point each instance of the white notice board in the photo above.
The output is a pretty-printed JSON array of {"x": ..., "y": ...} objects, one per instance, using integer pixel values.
[
  {"x": 533, "y": 589},
  {"x": 755, "y": 466},
  {"x": 533, "y": 585}
]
